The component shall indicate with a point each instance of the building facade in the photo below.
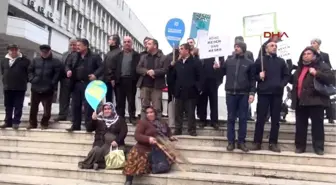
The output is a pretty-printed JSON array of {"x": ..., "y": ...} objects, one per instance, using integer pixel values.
[{"x": 30, "y": 23}]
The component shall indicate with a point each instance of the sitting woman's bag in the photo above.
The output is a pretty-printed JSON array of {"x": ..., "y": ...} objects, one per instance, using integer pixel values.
[
  {"x": 115, "y": 159},
  {"x": 159, "y": 161}
]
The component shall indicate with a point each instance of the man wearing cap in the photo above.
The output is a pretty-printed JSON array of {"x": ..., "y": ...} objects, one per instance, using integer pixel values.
[
  {"x": 240, "y": 89},
  {"x": 65, "y": 82},
  {"x": 44, "y": 72},
  {"x": 86, "y": 67},
  {"x": 14, "y": 70},
  {"x": 114, "y": 43}
]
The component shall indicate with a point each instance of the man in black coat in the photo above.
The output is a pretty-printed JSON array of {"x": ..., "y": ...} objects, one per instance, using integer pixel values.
[
  {"x": 86, "y": 67},
  {"x": 122, "y": 72},
  {"x": 14, "y": 70},
  {"x": 324, "y": 57},
  {"x": 44, "y": 72},
  {"x": 65, "y": 93},
  {"x": 272, "y": 76},
  {"x": 187, "y": 76}
]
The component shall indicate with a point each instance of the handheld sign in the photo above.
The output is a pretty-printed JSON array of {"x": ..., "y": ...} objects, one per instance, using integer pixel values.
[
  {"x": 95, "y": 92},
  {"x": 174, "y": 32}
]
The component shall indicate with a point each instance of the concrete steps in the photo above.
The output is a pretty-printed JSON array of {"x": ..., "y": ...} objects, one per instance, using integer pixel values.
[{"x": 64, "y": 170}]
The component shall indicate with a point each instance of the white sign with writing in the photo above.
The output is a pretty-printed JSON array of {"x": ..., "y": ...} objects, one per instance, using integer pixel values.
[
  {"x": 283, "y": 50},
  {"x": 256, "y": 25},
  {"x": 213, "y": 46}
]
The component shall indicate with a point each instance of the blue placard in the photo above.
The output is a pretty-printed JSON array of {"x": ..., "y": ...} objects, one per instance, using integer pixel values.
[
  {"x": 199, "y": 21},
  {"x": 174, "y": 32},
  {"x": 95, "y": 92}
]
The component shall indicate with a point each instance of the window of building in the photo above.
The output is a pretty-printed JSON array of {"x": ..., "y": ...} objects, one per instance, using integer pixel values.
[
  {"x": 58, "y": 5},
  {"x": 122, "y": 5},
  {"x": 130, "y": 14},
  {"x": 66, "y": 11},
  {"x": 50, "y": 2}
]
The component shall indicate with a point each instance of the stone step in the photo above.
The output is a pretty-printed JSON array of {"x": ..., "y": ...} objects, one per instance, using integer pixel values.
[
  {"x": 285, "y": 157},
  {"x": 32, "y": 138},
  {"x": 12, "y": 179},
  {"x": 66, "y": 170}
]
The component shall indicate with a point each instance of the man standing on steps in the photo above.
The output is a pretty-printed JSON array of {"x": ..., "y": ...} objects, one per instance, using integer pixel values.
[
  {"x": 14, "y": 70},
  {"x": 152, "y": 69},
  {"x": 86, "y": 66},
  {"x": 114, "y": 43},
  {"x": 44, "y": 72},
  {"x": 240, "y": 89},
  {"x": 122, "y": 73},
  {"x": 188, "y": 83},
  {"x": 65, "y": 93},
  {"x": 272, "y": 76}
]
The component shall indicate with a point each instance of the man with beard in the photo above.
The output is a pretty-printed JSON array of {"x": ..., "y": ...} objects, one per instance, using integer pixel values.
[
  {"x": 65, "y": 93},
  {"x": 44, "y": 72},
  {"x": 123, "y": 74},
  {"x": 114, "y": 43},
  {"x": 272, "y": 76}
]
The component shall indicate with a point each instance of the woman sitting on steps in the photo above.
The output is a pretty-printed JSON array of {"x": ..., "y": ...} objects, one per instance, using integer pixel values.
[{"x": 110, "y": 130}]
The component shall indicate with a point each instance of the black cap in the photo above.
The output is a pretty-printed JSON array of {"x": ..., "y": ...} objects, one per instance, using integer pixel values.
[
  {"x": 45, "y": 47},
  {"x": 12, "y": 46},
  {"x": 242, "y": 45},
  {"x": 239, "y": 39}
]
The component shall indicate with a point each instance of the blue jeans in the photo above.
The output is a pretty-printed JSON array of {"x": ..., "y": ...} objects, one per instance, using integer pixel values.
[{"x": 237, "y": 106}]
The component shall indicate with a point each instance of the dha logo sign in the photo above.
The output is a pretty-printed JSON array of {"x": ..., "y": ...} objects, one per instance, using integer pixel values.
[{"x": 279, "y": 35}]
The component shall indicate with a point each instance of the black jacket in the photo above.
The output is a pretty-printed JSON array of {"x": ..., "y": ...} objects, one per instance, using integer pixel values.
[
  {"x": 170, "y": 75},
  {"x": 325, "y": 58},
  {"x": 309, "y": 96},
  {"x": 115, "y": 66},
  {"x": 188, "y": 78},
  {"x": 95, "y": 64},
  {"x": 276, "y": 75},
  {"x": 209, "y": 73},
  {"x": 108, "y": 61},
  {"x": 248, "y": 54},
  {"x": 44, "y": 74},
  {"x": 240, "y": 75},
  {"x": 67, "y": 57},
  {"x": 15, "y": 77}
]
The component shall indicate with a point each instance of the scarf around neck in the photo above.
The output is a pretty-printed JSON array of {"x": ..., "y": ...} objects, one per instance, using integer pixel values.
[{"x": 109, "y": 120}]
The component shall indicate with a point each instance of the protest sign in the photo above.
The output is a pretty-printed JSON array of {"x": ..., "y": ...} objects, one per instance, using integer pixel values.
[
  {"x": 199, "y": 21},
  {"x": 174, "y": 32},
  {"x": 213, "y": 46},
  {"x": 283, "y": 50}
]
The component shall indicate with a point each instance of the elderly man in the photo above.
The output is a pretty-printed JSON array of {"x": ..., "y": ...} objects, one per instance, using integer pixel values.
[
  {"x": 316, "y": 43},
  {"x": 64, "y": 97},
  {"x": 122, "y": 73}
]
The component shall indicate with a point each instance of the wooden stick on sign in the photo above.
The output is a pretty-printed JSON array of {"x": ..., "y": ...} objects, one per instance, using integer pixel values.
[{"x": 261, "y": 56}]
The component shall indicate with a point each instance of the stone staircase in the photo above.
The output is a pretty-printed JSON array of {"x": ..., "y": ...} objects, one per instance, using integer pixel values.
[{"x": 50, "y": 157}]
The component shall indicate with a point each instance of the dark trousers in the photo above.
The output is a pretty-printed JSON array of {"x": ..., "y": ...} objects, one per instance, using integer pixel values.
[
  {"x": 126, "y": 89},
  {"x": 64, "y": 98},
  {"x": 237, "y": 106},
  {"x": 330, "y": 114},
  {"x": 187, "y": 106},
  {"x": 249, "y": 113},
  {"x": 78, "y": 99},
  {"x": 13, "y": 101},
  {"x": 210, "y": 93},
  {"x": 273, "y": 103},
  {"x": 316, "y": 115},
  {"x": 46, "y": 100},
  {"x": 109, "y": 93}
]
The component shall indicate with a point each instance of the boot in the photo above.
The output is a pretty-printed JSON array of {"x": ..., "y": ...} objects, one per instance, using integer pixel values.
[
  {"x": 215, "y": 126},
  {"x": 274, "y": 148},
  {"x": 242, "y": 147},
  {"x": 230, "y": 147},
  {"x": 5, "y": 125},
  {"x": 299, "y": 150}
]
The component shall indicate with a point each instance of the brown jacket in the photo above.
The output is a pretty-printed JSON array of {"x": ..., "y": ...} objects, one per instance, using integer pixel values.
[
  {"x": 143, "y": 131},
  {"x": 160, "y": 70}
]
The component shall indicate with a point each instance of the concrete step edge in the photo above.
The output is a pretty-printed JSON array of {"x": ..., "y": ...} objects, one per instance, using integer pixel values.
[
  {"x": 236, "y": 179},
  {"x": 131, "y": 134}
]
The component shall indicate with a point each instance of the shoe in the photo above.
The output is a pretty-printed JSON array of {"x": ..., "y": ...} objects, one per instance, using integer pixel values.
[
  {"x": 319, "y": 152},
  {"x": 193, "y": 134},
  {"x": 31, "y": 127},
  {"x": 215, "y": 126},
  {"x": 5, "y": 125},
  {"x": 256, "y": 146},
  {"x": 80, "y": 165},
  {"x": 71, "y": 129},
  {"x": 95, "y": 166},
  {"x": 230, "y": 147},
  {"x": 128, "y": 183},
  {"x": 250, "y": 119},
  {"x": 44, "y": 127},
  {"x": 283, "y": 120},
  {"x": 15, "y": 126},
  {"x": 177, "y": 132},
  {"x": 203, "y": 124},
  {"x": 132, "y": 120},
  {"x": 299, "y": 150},
  {"x": 60, "y": 119},
  {"x": 274, "y": 148},
  {"x": 242, "y": 147},
  {"x": 331, "y": 121}
]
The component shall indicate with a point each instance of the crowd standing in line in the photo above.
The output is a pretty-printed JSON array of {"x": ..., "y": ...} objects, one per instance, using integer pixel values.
[{"x": 191, "y": 83}]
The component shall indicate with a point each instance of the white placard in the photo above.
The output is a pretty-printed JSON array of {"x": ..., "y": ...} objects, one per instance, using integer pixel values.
[
  {"x": 213, "y": 46},
  {"x": 256, "y": 25},
  {"x": 283, "y": 50}
]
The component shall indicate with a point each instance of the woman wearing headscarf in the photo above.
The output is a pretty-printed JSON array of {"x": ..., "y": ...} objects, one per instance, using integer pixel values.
[
  {"x": 111, "y": 130},
  {"x": 307, "y": 101},
  {"x": 146, "y": 131}
]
